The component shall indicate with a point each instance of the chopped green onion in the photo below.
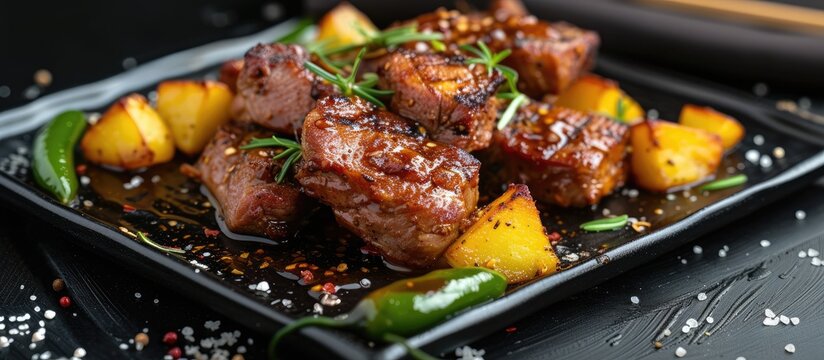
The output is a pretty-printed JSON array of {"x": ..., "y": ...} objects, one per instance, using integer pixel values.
[
  {"x": 145, "y": 239},
  {"x": 607, "y": 224},
  {"x": 725, "y": 183}
]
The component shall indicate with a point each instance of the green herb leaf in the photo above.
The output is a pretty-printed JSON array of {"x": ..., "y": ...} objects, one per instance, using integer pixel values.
[
  {"x": 348, "y": 86},
  {"x": 389, "y": 38},
  {"x": 620, "y": 109},
  {"x": 155, "y": 245},
  {"x": 292, "y": 152},
  {"x": 607, "y": 224},
  {"x": 510, "y": 111},
  {"x": 729, "y": 182},
  {"x": 297, "y": 33}
]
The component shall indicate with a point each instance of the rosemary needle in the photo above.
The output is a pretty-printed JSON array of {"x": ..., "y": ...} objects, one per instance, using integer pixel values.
[
  {"x": 729, "y": 182},
  {"x": 150, "y": 242},
  {"x": 607, "y": 224}
]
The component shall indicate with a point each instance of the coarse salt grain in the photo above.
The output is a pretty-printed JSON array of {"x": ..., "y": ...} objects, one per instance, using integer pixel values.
[
  {"x": 49, "y": 314},
  {"x": 769, "y": 313},
  {"x": 790, "y": 348},
  {"x": 697, "y": 250},
  {"x": 680, "y": 352},
  {"x": 795, "y": 320},
  {"x": 692, "y": 323},
  {"x": 800, "y": 215},
  {"x": 812, "y": 252},
  {"x": 815, "y": 261},
  {"x": 722, "y": 253},
  {"x": 765, "y": 243},
  {"x": 770, "y": 321},
  {"x": 758, "y": 139},
  {"x": 685, "y": 329},
  {"x": 802, "y": 254},
  {"x": 765, "y": 161},
  {"x": 79, "y": 352},
  {"x": 784, "y": 319},
  {"x": 710, "y": 320},
  {"x": 752, "y": 156},
  {"x": 702, "y": 296},
  {"x": 667, "y": 332},
  {"x": 635, "y": 300}
]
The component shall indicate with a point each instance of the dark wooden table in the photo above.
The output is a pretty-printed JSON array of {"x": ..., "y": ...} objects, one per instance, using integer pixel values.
[{"x": 110, "y": 303}]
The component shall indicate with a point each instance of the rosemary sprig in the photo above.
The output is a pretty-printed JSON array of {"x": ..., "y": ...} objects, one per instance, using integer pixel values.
[
  {"x": 621, "y": 109},
  {"x": 607, "y": 224},
  {"x": 292, "y": 152},
  {"x": 295, "y": 35},
  {"x": 725, "y": 183},
  {"x": 492, "y": 62},
  {"x": 146, "y": 240},
  {"x": 389, "y": 38},
  {"x": 348, "y": 86}
]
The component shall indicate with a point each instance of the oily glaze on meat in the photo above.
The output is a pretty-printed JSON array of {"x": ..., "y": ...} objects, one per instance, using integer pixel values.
[
  {"x": 452, "y": 100},
  {"x": 406, "y": 196},
  {"x": 566, "y": 157},
  {"x": 274, "y": 89},
  {"x": 548, "y": 57},
  {"x": 243, "y": 183}
]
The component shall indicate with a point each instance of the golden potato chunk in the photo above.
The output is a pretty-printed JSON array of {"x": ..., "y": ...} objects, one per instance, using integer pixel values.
[
  {"x": 130, "y": 135},
  {"x": 344, "y": 25},
  {"x": 700, "y": 117},
  {"x": 667, "y": 155},
  {"x": 596, "y": 94},
  {"x": 508, "y": 237},
  {"x": 193, "y": 110}
]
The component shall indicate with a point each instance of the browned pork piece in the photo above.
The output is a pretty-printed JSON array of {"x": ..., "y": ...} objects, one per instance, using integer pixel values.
[
  {"x": 274, "y": 89},
  {"x": 243, "y": 183},
  {"x": 404, "y": 195},
  {"x": 566, "y": 157},
  {"x": 229, "y": 72},
  {"x": 452, "y": 100},
  {"x": 547, "y": 56}
]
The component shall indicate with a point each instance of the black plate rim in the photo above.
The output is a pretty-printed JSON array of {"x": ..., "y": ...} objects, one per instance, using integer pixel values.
[{"x": 92, "y": 234}]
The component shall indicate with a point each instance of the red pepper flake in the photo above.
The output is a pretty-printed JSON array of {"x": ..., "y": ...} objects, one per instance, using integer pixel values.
[
  {"x": 211, "y": 233},
  {"x": 175, "y": 353},
  {"x": 307, "y": 276},
  {"x": 170, "y": 338},
  {"x": 511, "y": 329},
  {"x": 65, "y": 302},
  {"x": 81, "y": 169},
  {"x": 329, "y": 288},
  {"x": 128, "y": 208},
  {"x": 554, "y": 237}
]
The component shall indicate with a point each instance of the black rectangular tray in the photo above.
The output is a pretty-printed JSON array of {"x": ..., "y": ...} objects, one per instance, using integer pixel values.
[{"x": 601, "y": 256}]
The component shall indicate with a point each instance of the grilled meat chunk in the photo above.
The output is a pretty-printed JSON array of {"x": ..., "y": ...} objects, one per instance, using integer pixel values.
[
  {"x": 452, "y": 100},
  {"x": 229, "y": 72},
  {"x": 548, "y": 57},
  {"x": 404, "y": 195},
  {"x": 566, "y": 157},
  {"x": 274, "y": 89},
  {"x": 243, "y": 183}
]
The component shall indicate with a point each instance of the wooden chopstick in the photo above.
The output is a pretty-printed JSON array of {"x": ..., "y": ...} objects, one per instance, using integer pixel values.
[{"x": 783, "y": 16}]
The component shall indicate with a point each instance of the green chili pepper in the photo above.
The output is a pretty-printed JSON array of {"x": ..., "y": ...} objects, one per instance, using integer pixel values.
[
  {"x": 53, "y": 155},
  {"x": 407, "y": 307}
]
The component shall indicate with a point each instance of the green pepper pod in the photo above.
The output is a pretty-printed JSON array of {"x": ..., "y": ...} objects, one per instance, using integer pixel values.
[
  {"x": 407, "y": 307},
  {"x": 53, "y": 155}
]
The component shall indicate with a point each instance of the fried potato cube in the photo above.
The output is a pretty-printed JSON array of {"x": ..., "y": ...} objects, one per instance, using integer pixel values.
[
  {"x": 344, "y": 25},
  {"x": 193, "y": 110},
  {"x": 667, "y": 155},
  {"x": 130, "y": 135},
  {"x": 700, "y": 117},
  {"x": 596, "y": 94},
  {"x": 508, "y": 237}
]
